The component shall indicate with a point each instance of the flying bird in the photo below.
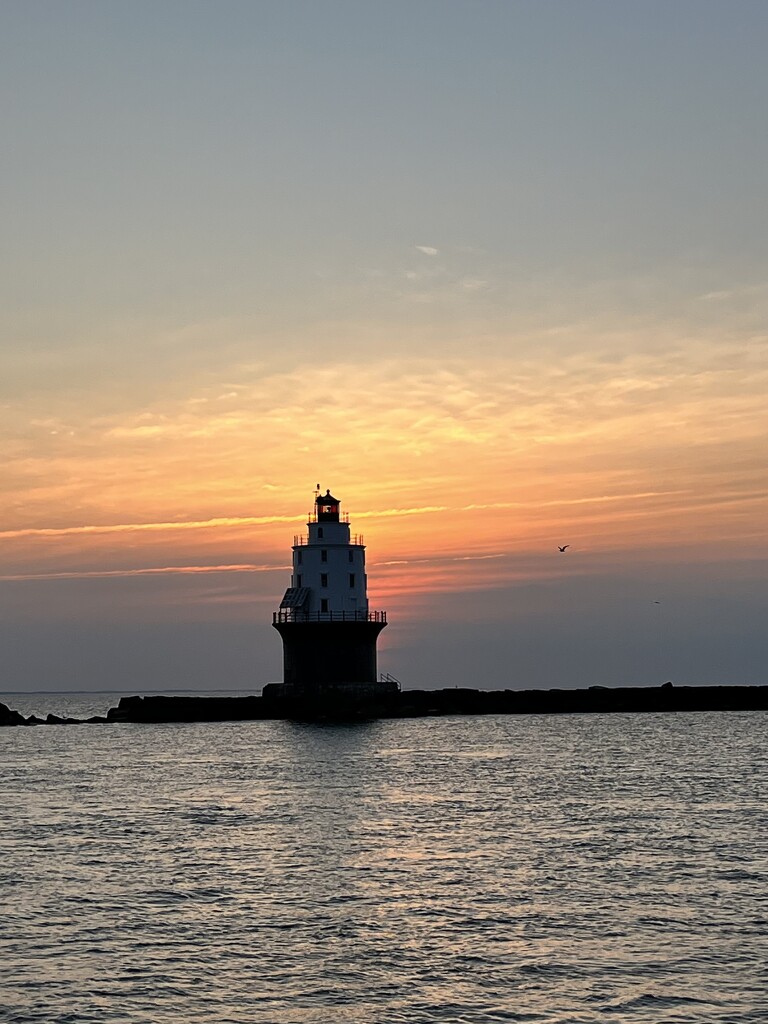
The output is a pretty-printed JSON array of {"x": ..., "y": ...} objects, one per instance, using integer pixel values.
[{"x": 563, "y": 547}]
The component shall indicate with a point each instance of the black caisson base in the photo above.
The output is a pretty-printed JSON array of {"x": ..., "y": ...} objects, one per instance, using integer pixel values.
[
  {"x": 327, "y": 653},
  {"x": 333, "y": 701}
]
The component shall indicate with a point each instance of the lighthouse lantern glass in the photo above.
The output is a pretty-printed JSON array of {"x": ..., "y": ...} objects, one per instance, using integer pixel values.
[{"x": 327, "y": 508}]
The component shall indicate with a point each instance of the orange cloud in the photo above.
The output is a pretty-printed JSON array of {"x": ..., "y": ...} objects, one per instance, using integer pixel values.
[
  {"x": 165, "y": 570},
  {"x": 461, "y": 458}
]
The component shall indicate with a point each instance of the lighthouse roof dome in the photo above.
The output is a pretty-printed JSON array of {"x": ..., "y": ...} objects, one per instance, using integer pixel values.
[{"x": 326, "y": 499}]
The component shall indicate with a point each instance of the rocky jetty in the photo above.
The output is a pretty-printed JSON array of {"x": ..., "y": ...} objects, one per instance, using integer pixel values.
[
  {"x": 189, "y": 709},
  {"x": 340, "y": 704},
  {"x": 8, "y": 717},
  {"x": 595, "y": 699},
  {"x": 336, "y": 703}
]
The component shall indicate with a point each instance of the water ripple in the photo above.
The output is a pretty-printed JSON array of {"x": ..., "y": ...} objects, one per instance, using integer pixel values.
[{"x": 565, "y": 870}]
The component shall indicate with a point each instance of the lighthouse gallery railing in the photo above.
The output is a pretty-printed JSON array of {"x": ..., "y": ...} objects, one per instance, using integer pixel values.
[{"x": 296, "y": 615}]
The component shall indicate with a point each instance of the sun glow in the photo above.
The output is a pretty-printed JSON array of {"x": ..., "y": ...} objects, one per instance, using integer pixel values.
[{"x": 461, "y": 475}]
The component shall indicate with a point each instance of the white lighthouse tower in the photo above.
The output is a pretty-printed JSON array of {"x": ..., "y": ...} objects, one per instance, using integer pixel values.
[
  {"x": 328, "y": 631},
  {"x": 328, "y": 582}
]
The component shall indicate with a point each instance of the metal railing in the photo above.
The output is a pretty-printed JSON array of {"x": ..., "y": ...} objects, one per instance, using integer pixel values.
[
  {"x": 387, "y": 677},
  {"x": 312, "y": 517},
  {"x": 297, "y": 615},
  {"x": 301, "y": 540}
]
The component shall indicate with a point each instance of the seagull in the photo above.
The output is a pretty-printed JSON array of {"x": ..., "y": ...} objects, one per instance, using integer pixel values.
[{"x": 563, "y": 547}]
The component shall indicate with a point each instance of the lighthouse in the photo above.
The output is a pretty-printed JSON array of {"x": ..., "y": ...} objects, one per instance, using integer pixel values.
[{"x": 329, "y": 633}]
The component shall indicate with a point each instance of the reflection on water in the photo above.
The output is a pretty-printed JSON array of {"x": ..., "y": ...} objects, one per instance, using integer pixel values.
[{"x": 569, "y": 869}]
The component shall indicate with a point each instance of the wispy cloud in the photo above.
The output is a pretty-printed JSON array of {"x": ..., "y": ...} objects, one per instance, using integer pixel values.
[
  {"x": 166, "y": 570},
  {"x": 479, "y": 447},
  {"x": 739, "y": 291},
  {"x": 428, "y": 250},
  {"x": 199, "y": 524},
  {"x": 250, "y": 521}
]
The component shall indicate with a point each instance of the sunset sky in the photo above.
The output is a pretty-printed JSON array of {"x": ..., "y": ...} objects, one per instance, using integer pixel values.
[{"x": 493, "y": 271}]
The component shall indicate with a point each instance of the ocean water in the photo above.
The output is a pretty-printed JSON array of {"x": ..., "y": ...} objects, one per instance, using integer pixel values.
[{"x": 568, "y": 870}]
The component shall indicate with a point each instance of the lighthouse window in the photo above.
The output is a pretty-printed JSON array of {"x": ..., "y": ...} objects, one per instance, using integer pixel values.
[
  {"x": 351, "y": 579},
  {"x": 298, "y": 557},
  {"x": 323, "y": 604},
  {"x": 323, "y": 555},
  {"x": 324, "y": 579},
  {"x": 298, "y": 580},
  {"x": 351, "y": 555},
  {"x": 319, "y": 531}
]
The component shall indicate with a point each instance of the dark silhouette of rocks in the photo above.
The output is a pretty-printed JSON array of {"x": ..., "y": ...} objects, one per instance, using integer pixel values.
[
  {"x": 8, "y": 717},
  {"x": 596, "y": 699},
  {"x": 335, "y": 704},
  {"x": 55, "y": 720},
  {"x": 189, "y": 709},
  {"x": 338, "y": 704}
]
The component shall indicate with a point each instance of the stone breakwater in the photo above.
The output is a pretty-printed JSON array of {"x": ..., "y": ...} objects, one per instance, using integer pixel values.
[
  {"x": 333, "y": 704},
  {"x": 10, "y": 717}
]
